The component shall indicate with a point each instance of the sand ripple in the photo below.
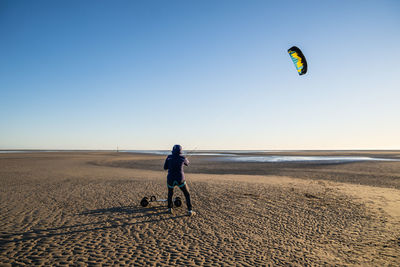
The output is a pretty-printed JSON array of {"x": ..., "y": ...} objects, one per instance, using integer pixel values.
[{"x": 89, "y": 215}]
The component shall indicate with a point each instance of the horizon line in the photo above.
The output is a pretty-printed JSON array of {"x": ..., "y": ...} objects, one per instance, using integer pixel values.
[{"x": 122, "y": 150}]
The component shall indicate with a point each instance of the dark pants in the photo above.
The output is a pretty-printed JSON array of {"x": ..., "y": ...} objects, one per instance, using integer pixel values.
[{"x": 185, "y": 192}]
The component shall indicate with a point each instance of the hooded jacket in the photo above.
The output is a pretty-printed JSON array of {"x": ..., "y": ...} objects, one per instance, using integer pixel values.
[{"x": 174, "y": 164}]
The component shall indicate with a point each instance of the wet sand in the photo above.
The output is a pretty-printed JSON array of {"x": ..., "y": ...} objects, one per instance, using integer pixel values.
[{"x": 83, "y": 209}]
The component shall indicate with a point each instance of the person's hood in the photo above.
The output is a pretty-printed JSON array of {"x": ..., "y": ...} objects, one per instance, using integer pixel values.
[{"x": 176, "y": 150}]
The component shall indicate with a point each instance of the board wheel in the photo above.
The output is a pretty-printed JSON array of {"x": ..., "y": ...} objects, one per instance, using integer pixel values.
[
  {"x": 177, "y": 202},
  {"x": 144, "y": 202}
]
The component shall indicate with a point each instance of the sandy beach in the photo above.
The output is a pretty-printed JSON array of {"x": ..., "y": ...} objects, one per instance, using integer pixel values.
[{"x": 82, "y": 208}]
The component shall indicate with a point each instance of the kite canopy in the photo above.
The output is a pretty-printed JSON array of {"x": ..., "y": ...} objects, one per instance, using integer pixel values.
[{"x": 298, "y": 59}]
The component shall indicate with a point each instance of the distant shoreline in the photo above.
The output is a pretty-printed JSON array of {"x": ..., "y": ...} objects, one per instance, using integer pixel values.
[
  {"x": 205, "y": 150},
  {"x": 251, "y": 155}
]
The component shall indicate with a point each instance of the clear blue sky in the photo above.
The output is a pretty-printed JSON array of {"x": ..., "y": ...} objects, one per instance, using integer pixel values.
[{"x": 205, "y": 74}]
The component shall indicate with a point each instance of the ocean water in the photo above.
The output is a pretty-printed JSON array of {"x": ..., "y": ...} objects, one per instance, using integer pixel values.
[
  {"x": 153, "y": 152},
  {"x": 167, "y": 152},
  {"x": 322, "y": 159},
  {"x": 237, "y": 156}
]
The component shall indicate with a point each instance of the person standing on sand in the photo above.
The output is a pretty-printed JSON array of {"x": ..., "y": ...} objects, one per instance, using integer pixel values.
[{"x": 174, "y": 164}]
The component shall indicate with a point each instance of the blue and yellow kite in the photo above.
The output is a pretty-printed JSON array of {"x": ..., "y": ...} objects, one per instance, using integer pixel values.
[{"x": 298, "y": 59}]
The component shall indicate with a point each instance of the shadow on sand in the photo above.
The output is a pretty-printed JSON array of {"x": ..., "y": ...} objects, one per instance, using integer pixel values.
[
  {"x": 148, "y": 214},
  {"x": 127, "y": 210}
]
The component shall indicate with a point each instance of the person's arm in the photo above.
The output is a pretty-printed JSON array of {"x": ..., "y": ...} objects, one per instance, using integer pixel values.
[
  {"x": 166, "y": 164},
  {"x": 186, "y": 162}
]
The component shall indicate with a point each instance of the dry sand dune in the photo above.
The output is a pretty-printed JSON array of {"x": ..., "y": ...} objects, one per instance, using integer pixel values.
[{"x": 82, "y": 209}]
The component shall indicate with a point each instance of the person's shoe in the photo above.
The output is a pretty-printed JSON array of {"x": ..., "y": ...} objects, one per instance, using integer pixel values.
[
  {"x": 170, "y": 211},
  {"x": 191, "y": 213}
]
